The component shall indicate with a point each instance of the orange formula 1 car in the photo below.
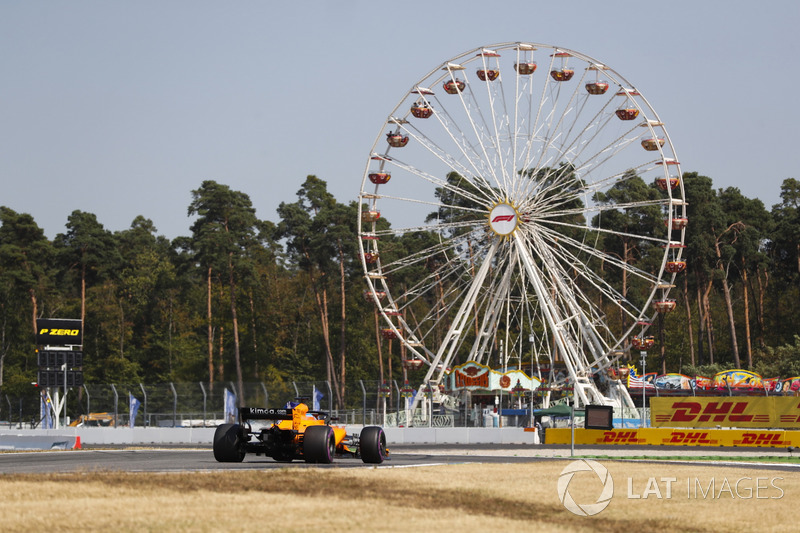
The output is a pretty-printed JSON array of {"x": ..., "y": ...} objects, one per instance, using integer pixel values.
[{"x": 296, "y": 433}]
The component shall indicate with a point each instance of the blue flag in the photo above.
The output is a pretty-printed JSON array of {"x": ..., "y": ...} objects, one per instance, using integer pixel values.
[
  {"x": 317, "y": 398},
  {"x": 46, "y": 411},
  {"x": 230, "y": 407},
  {"x": 134, "y": 409}
]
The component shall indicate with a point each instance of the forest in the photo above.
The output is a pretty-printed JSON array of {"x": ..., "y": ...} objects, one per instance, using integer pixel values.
[{"x": 242, "y": 299}]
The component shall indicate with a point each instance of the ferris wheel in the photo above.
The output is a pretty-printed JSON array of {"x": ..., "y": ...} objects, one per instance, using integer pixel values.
[{"x": 522, "y": 201}]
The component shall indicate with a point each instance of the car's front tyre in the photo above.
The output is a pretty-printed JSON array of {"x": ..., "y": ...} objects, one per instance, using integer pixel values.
[{"x": 372, "y": 445}]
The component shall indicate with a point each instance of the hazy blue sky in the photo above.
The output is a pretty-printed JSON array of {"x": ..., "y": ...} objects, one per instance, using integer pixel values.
[{"x": 122, "y": 108}]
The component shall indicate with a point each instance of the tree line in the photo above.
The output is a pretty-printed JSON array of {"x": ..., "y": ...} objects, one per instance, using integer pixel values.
[{"x": 242, "y": 299}]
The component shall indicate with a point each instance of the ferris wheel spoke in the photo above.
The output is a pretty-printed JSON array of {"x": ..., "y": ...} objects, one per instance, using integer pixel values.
[
  {"x": 548, "y": 212},
  {"x": 451, "y": 264},
  {"x": 487, "y": 148},
  {"x": 474, "y": 224},
  {"x": 558, "y": 241},
  {"x": 588, "y": 166},
  {"x": 478, "y": 156},
  {"x": 552, "y": 134},
  {"x": 607, "y": 231},
  {"x": 581, "y": 320},
  {"x": 501, "y": 127},
  {"x": 565, "y": 133},
  {"x": 475, "y": 167},
  {"x": 601, "y": 285},
  {"x": 440, "y": 183}
]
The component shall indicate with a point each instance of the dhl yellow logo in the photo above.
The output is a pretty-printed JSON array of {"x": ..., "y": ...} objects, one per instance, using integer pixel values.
[
  {"x": 761, "y": 439},
  {"x": 689, "y": 437},
  {"x": 620, "y": 437},
  {"x": 60, "y": 332}
]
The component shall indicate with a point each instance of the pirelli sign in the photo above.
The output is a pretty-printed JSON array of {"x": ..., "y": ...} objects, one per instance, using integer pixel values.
[
  {"x": 59, "y": 332},
  {"x": 759, "y": 412}
]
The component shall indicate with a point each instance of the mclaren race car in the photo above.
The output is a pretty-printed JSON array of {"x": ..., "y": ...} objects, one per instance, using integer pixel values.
[{"x": 295, "y": 433}]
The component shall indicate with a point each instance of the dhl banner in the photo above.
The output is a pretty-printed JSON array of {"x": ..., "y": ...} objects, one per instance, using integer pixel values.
[
  {"x": 676, "y": 437},
  {"x": 740, "y": 412}
]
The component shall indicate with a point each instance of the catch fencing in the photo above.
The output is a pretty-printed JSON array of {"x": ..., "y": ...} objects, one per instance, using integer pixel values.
[{"x": 202, "y": 404}]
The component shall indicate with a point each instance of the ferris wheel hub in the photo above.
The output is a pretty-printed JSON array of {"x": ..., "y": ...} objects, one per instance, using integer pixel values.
[{"x": 503, "y": 219}]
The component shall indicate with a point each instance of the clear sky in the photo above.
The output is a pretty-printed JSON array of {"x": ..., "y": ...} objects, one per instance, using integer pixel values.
[{"x": 123, "y": 108}]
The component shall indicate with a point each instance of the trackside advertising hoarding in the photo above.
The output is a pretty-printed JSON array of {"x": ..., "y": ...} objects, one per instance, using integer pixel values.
[
  {"x": 58, "y": 332},
  {"x": 738, "y": 412},
  {"x": 753, "y": 438}
]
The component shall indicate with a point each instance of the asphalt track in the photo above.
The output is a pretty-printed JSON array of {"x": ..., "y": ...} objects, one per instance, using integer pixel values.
[{"x": 201, "y": 459}]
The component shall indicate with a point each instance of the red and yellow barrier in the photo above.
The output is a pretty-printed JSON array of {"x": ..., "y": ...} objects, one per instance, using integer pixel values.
[{"x": 677, "y": 437}]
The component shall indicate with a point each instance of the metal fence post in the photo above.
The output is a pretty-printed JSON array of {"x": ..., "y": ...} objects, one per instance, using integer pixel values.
[
  {"x": 116, "y": 406},
  {"x": 174, "y": 405},
  {"x": 330, "y": 398},
  {"x": 397, "y": 388},
  {"x": 430, "y": 403},
  {"x": 202, "y": 388},
  {"x": 144, "y": 404},
  {"x": 296, "y": 391},
  {"x": 266, "y": 395},
  {"x": 363, "y": 402},
  {"x": 88, "y": 399}
]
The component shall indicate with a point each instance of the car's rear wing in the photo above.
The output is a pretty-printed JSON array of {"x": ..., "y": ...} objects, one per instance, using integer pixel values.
[{"x": 262, "y": 413}]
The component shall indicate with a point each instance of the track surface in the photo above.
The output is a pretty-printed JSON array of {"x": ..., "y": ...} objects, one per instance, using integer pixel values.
[
  {"x": 185, "y": 459},
  {"x": 202, "y": 459}
]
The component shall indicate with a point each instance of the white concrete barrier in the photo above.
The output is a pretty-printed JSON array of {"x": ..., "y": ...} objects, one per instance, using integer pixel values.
[
  {"x": 140, "y": 436},
  {"x": 22, "y": 440}
]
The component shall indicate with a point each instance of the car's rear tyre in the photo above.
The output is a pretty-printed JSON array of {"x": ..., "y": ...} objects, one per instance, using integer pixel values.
[
  {"x": 372, "y": 445},
  {"x": 319, "y": 444},
  {"x": 228, "y": 443}
]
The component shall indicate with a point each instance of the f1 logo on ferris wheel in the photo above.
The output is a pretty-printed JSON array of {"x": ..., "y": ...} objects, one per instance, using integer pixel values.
[{"x": 503, "y": 219}]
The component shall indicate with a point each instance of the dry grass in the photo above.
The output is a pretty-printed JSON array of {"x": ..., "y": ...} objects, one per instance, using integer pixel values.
[{"x": 518, "y": 497}]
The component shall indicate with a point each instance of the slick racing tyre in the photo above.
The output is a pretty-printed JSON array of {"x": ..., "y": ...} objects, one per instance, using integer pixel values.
[
  {"x": 228, "y": 444},
  {"x": 319, "y": 444},
  {"x": 372, "y": 445}
]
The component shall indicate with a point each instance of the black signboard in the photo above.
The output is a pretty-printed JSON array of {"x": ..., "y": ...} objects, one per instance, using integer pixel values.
[
  {"x": 55, "y": 378},
  {"x": 57, "y": 359},
  {"x": 59, "y": 332},
  {"x": 599, "y": 417}
]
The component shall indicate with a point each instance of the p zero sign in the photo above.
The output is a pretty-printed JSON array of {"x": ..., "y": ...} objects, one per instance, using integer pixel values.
[
  {"x": 58, "y": 332},
  {"x": 759, "y": 412}
]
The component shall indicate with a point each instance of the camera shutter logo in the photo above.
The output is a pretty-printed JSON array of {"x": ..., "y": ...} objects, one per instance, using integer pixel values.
[{"x": 586, "y": 509}]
